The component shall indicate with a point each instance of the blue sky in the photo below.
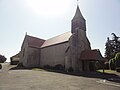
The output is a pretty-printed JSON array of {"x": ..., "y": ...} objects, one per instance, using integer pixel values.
[{"x": 48, "y": 18}]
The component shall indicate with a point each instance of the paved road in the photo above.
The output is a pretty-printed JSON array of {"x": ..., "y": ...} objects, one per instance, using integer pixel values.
[{"x": 44, "y": 80}]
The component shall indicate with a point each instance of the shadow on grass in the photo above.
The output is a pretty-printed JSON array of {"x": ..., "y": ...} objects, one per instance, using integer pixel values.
[
  {"x": 100, "y": 75},
  {"x": 108, "y": 76}
]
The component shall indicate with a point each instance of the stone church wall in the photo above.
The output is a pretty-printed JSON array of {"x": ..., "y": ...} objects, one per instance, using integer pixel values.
[
  {"x": 29, "y": 56},
  {"x": 84, "y": 45},
  {"x": 78, "y": 43},
  {"x": 24, "y": 53},
  {"x": 33, "y": 57},
  {"x": 53, "y": 55}
]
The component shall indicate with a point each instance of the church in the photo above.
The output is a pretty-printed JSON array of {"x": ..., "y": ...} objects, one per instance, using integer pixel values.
[{"x": 70, "y": 50}]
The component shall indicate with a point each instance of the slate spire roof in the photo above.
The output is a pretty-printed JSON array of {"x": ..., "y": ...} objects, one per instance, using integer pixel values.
[{"x": 78, "y": 14}]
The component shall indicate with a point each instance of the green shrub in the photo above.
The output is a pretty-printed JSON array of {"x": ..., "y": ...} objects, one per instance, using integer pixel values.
[
  {"x": 58, "y": 67},
  {"x": 112, "y": 64},
  {"x": 117, "y": 60},
  {"x": 70, "y": 69},
  {"x": 20, "y": 65},
  {"x": 106, "y": 65},
  {"x": 47, "y": 67},
  {"x": 117, "y": 56}
]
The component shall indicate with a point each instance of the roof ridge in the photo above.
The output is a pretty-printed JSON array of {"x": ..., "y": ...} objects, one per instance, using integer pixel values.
[
  {"x": 58, "y": 35},
  {"x": 35, "y": 37},
  {"x": 57, "y": 39}
]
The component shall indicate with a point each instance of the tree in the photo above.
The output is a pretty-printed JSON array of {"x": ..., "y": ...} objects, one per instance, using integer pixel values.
[
  {"x": 109, "y": 49},
  {"x": 112, "y": 46},
  {"x": 116, "y": 43},
  {"x": 112, "y": 64},
  {"x": 117, "y": 60},
  {"x": 2, "y": 59}
]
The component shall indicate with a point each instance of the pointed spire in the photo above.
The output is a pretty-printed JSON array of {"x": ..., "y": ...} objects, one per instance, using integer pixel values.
[
  {"x": 78, "y": 13},
  {"x": 78, "y": 21}
]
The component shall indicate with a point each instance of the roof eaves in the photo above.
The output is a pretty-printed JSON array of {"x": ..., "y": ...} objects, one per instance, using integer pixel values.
[{"x": 54, "y": 44}]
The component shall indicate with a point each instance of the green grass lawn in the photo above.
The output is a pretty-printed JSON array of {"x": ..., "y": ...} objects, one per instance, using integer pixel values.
[
  {"x": 107, "y": 71},
  {"x": 37, "y": 69}
]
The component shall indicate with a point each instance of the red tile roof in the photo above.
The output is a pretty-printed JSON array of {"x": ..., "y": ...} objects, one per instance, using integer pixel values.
[
  {"x": 91, "y": 55},
  {"x": 34, "y": 42}
]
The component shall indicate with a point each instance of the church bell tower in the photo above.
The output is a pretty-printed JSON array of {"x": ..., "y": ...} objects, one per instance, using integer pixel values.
[
  {"x": 78, "y": 41},
  {"x": 78, "y": 21}
]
